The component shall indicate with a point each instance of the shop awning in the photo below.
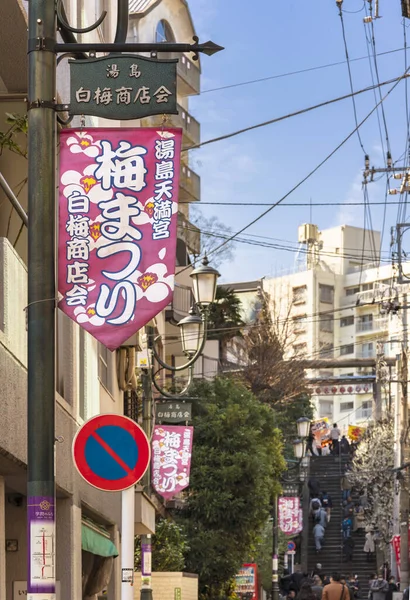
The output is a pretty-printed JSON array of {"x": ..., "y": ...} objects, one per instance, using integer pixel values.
[{"x": 96, "y": 543}]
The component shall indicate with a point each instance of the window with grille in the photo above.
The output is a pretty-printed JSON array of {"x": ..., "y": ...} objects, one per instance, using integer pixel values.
[
  {"x": 346, "y": 406},
  {"x": 326, "y": 323},
  {"x": 326, "y": 293},
  {"x": 299, "y": 294},
  {"x": 347, "y": 349},
  {"x": 104, "y": 366},
  {"x": 346, "y": 321}
]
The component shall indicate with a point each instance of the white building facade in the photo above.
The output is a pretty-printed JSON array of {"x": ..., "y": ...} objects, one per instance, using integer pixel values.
[{"x": 340, "y": 305}]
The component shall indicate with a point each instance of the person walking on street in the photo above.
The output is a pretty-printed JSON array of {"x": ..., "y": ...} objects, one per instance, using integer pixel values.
[
  {"x": 317, "y": 587},
  {"x": 335, "y": 590},
  {"x": 369, "y": 546},
  {"x": 319, "y": 535},
  {"x": 306, "y": 592},
  {"x": 334, "y": 436},
  {"x": 343, "y": 581},
  {"x": 346, "y": 527},
  {"x": 314, "y": 487},
  {"x": 379, "y": 588},
  {"x": 321, "y": 517},
  {"x": 348, "y": 547},
  {"x": 345, "y": 484},
  {"x": 344, "y": 445},
  {"x": 326, "y": 503}
]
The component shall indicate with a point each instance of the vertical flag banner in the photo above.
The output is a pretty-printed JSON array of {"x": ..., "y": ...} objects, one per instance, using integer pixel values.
[
  {"x": 289, "y": 514},
  {"x": 118, "y": 204},
  {"x": 171, "y": 459}
]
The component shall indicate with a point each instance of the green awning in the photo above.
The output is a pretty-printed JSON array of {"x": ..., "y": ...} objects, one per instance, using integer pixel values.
[{"x": 94, "y": 542}]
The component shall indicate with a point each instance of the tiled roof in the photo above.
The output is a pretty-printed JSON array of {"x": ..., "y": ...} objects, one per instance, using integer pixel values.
[{"x": 139, "y": 6}]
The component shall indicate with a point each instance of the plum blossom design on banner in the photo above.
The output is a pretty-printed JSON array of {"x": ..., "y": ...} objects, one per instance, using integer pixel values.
[
  {"x": 117, "y": 227},
  {"x": 290, "y": 519},
  {"x": 171, "y": 459}
]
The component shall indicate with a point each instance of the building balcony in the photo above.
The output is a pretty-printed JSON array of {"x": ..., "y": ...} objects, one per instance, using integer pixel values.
[
  {"x": 378, "y": 324},
  {"x": 190, "y": 234},
  {"x": 181, "y": 303},
  {"x": 189, "y": 76},
  {"x": 366, "y": 352},
  {"x": 190, "y": 185},
  {"x": 191, "y": 129}
]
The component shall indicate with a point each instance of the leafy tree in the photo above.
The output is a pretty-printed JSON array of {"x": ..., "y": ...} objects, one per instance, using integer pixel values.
[
  {"x": 371, "y": 474},
  {"x": 213, "y": 233},
  {"x": 236, "y": 464},
  {"x": 225, "y": 320},
  {"x": 169, "y": 545}
]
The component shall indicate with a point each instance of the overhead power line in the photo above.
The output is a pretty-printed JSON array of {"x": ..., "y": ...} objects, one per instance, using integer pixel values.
[
  {"x": 294, "y": 114},
  {"x": 247, "y": 204},
  {"x": 313, "y": 171},
  {"x": 298, "y": 72}
]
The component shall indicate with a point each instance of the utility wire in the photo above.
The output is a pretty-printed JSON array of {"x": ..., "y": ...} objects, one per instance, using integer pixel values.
[
  {"x": 312, "y": 172},
  {"x": 293, "y": 114},
  {"x": 392, "y": 202},
  {"x": 280, "y": 75},
  {"x": 350, "y": 76}
]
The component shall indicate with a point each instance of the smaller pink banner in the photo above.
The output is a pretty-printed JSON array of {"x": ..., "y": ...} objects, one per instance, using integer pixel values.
[
  {"x": 289, "y": 514},
  {"x": 171, "y": 459}
]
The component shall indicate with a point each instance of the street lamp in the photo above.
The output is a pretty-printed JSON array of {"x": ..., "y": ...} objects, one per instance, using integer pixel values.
[
  {"x": 192, "y": 332},
  {"x": 303, "y": 425},
  {"x": 298, "y": 449},
  {"x": 193, "y": 328},
  {"x": 204, "y": 282}
]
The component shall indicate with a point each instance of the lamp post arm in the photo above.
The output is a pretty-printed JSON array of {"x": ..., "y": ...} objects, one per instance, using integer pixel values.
[
  {"x": 191, "y": 361},
  {"x": 182, "y": 393}
]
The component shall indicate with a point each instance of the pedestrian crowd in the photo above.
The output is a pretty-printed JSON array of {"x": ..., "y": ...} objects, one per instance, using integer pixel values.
[{"x": 318, "y": 586}]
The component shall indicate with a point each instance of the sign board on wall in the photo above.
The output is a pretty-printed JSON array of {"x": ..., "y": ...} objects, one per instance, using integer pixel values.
[{"x": 20, "y": 590}]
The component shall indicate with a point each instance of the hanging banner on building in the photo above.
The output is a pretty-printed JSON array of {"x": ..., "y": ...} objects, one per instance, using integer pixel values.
[
  {"x": 171, "y": 459},
  {"x": 117, "y": 227},
  {"x": 289, "y": 514},
  {"x": 364, "y": 388}
]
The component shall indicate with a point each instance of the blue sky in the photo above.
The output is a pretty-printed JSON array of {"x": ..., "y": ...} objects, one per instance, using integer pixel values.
[{"x": 270, "y": 38}]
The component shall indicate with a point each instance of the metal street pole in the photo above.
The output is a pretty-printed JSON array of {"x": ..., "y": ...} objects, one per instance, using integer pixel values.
[
  {"x": 404, "y": 493},
  {"x": 146, "y": 561},
  {"x": 41, "y": 294},
  {"x": 275, "y": 550}
]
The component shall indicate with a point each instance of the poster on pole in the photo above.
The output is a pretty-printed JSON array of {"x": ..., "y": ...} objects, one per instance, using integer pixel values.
[
  {"x": 118, "y": 204},
  {"x": 289, "y": 513},
  {"x": 171, "y": 459}
]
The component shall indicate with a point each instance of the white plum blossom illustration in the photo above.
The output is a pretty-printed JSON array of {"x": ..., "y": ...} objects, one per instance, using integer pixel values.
[
  {"x": 88, "y": 315},
  {"x": 75, "y": 182},
  {"x": 82, "y": 142},
  {"x": 165, "y": 135},
  {"x": 154, "y": 284}
]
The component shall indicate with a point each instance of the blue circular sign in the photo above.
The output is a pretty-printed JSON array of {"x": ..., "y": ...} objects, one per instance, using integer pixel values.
[{"x": 291, "y": 546}]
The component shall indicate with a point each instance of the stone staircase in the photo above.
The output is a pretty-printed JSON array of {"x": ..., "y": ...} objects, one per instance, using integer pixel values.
[{"x": 328, "y": 471}]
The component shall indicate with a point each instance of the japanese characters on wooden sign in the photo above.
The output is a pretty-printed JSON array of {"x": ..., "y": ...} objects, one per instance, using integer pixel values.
[
  {"x": 125, "y": 86},
  {"x": 173, "y": 412},
  {"x": 117, "y": 227},
  {"x": 171, "y": 459}
]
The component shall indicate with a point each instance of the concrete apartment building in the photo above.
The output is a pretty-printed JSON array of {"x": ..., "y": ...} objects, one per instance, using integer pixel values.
[
  {"x": 90, "y": 379},
  {"x": 334, "y": 305}
]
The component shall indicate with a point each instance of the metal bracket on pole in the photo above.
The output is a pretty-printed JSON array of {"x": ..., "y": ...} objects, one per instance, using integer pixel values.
[{"x": 41, "y": 43}]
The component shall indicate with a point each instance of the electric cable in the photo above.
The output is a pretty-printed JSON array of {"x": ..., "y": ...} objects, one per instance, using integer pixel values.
[
  {"x": 289, "y": 115},
  {"x": 313, "y": 171},
  {"x": 280, "y": 75}
]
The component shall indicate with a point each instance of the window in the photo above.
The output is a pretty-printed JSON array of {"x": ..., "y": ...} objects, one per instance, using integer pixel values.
[
  {"x": 325, "y": 350},
  {"x": 132, "y": 35},
  {"x": 365, "y": 323},
  {"x": 346, "y": 321},
  {"x": 326, "y": 373},
  {"x": 352, "y": 290},
  {"x": 367, "y": 286},
  {"x": 346, "y": 406},
  {"x": 348, "y": 349},
  {"x": 164, "y": 33},
  {"x": 326, "y": 293},
  {"x": 299, "y": 294},
  {"x": 326, "y": 323},
  {"x": 299, "y": 349},
  {"x": 326, "y": 408},
  {"x": 300, "y": 324},
  {"x": 366, "y": 409},
  {"x": 104, "y": 366},
  {"x": 367, "y": 350}
]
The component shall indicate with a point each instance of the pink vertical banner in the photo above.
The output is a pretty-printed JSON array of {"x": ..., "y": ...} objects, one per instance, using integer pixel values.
[
  {"x": 171, "y": 459},
  {"x": 289, "y": 514},
  {"x": 118, "y": 204}
]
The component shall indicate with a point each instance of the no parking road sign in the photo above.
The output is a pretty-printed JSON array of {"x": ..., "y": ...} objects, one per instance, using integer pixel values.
[{"x": 111, "y": 452}]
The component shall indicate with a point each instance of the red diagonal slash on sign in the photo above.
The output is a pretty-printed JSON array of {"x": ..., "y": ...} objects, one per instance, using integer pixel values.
[{"x": 111, "y": 452}]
